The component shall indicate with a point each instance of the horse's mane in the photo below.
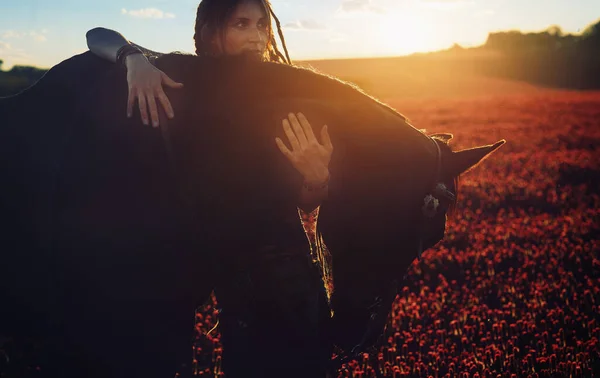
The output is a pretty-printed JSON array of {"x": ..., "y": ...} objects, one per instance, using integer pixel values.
[
  {"x": 259, "y": 93},
  {"x": 250, "y": 83},
  {"x": 308, "y": 82}
]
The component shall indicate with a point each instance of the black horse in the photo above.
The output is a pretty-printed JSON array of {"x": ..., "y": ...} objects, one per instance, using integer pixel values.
[
  {"x": 114, "y": 231},
  {"x": 99, "y": 264}
]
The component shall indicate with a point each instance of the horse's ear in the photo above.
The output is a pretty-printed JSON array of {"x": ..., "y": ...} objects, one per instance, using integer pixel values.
[
  {"x": 462, "y": 161},
  {"x": 444, "y": 137}
]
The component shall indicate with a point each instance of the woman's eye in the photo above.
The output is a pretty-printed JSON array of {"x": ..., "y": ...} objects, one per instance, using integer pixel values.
[
  {"x": 262, "y": 26},
  {"x": 241, "y": 24}
]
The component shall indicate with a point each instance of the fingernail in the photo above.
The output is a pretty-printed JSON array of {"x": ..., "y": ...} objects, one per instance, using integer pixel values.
[
  {"x": 128, "y": 115},
  {"x": 171, "y": 115},
  {"x": 155, "y": 123}
]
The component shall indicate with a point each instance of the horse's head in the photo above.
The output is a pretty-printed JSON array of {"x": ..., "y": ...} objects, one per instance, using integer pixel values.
[
  {"x": 368, "y": 270},
  {"x": 441, "y": 200}
]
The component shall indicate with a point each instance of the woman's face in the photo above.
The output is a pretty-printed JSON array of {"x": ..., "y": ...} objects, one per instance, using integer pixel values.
[{"x": 246, "y": 31}]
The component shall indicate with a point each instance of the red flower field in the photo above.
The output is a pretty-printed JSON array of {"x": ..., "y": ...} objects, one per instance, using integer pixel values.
[{"x": 514, "y": 288}]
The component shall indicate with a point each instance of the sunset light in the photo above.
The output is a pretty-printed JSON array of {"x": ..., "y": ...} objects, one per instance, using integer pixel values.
[
  {"x": 299, "y": 188},
  {"x": 401, "y": 34},
  {"x": 45, "y": 33}
]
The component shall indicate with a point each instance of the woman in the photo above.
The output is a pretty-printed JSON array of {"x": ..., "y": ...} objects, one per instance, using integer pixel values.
[
  {"x": 270, "y": 315},
  {"x": 218, "y": 31}
]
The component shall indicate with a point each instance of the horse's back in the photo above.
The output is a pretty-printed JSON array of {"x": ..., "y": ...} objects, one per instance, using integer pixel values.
[
  {"x": 34, "y": 127},
  {"x": 94, "y": 234}
]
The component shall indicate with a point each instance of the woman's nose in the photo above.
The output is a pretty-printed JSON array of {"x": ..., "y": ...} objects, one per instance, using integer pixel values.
[{"x": 257, "y": 35}]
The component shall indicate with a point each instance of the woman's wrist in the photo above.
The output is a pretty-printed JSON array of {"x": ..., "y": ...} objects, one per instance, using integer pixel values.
[
  {"x": 315, "y": 184},
  {"x": 134, "y": 59},
  {"x": 318, "y": 177},
  {"x": 128, "y": 51},
  {"x": 314, "y": 191}
]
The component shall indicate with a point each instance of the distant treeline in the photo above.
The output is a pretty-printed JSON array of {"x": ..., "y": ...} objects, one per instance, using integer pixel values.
[
  {"x": 550, "y": 58},
  {"x": 18, "y": 78}
]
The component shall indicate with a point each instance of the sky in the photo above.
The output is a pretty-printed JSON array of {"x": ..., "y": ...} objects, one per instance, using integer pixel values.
[{"x": 45, "y": 32}]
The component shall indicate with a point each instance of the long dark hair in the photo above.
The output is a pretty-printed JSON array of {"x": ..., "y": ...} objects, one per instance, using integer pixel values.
[{"x": 212, "y": 16}]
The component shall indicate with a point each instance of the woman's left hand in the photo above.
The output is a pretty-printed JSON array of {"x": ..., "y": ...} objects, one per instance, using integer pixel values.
[{"x": 308, "y": 156}]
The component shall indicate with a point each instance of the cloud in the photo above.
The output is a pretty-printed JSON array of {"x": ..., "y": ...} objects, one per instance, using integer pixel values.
[
  {"x": 304, "y": 25},
  {"x": 38, "y": 36},
  {"x": 11, "y": 34},
  {"x": 4, "y": 46},
  {"x": 153, "y": 13},
  {"x": 359, "y": 6}
]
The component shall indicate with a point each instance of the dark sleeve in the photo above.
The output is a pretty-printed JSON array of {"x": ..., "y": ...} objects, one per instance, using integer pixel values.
[{"x": 105, "y": 43}]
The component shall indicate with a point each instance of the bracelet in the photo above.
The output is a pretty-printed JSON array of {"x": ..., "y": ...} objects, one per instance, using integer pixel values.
[
  {"x": 125, "y": 51},
  {"x": 312, "y": 187}
]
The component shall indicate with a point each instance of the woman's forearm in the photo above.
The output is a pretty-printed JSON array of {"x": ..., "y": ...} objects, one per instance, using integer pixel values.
[{"x": 105, "y": 43}]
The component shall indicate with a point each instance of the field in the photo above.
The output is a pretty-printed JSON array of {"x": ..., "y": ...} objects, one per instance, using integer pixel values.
[{"x": 514, "y": 288}]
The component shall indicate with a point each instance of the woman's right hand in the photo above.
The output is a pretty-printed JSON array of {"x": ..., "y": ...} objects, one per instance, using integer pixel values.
[{"x": 145, "y": 83}]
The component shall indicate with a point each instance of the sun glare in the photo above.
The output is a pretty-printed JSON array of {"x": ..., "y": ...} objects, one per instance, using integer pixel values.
[{"x": 406, "y": 34}]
